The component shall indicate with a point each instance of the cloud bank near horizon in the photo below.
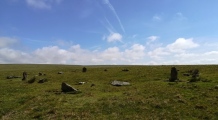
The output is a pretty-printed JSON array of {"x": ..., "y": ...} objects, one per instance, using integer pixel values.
[{"x": 181, "y": 51}]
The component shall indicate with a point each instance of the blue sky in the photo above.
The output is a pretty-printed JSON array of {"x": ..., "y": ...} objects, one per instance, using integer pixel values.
[{"x": 99, "y": 32}]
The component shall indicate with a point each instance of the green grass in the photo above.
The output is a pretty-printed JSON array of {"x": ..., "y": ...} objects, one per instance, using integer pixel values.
[{"x": 148, "y": 97}]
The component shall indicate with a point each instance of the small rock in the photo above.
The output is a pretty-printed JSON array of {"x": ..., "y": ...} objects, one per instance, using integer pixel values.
[
  {"x": 60, "y": 72},
  {"x": 216, "y": 87},
  {"x": 81, "y": 83}
]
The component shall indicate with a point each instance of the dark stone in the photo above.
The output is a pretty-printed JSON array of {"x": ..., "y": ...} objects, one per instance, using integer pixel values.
[
  {"x": 92, "y": 85},
  {"x": 17, "y": 77},
  {"x": 173, "y": 75},
  {"x": 32, "y": 80},
  {"x": 186, "y": 74},
  {"x": 24, "y": 76},
  {"x": 195, "y": 76},
  {"x": 125, "y": 70},
  {"x": 40, "y": 74},
  {"x": 12, "y": 77},
  {"x": 195, "y": 73},
  {"x": 84, "y": 69},
  {"x": 42, "y": 80},
  {"x": 67, "y": 88}
]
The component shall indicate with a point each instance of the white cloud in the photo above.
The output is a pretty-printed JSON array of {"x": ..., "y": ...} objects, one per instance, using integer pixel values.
[
  {"x": 42, "y": 4},
  {"x": 136, "y": 51},
  {"x": 181, "y": 44},
  {"x": 114, "y": 37},
  {"x": 134, "y": 54},
  {"x": 51, "y": 55},
  {"x": 158, "y": 53},
  {"x": 8, "y": 55},
  {"x": 7, "y": 41},
  {"x": 111, "y": 54},
  {"x": 178, "y": 48}
]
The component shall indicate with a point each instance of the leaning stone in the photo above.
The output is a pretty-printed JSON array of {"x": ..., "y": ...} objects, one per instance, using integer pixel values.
[{"x": 67, "y": 88}]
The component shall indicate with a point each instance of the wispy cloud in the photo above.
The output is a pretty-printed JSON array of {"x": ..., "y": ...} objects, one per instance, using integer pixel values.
[
  {"x": 152, "y": 38},
  {"x": 42, "y": 4},
  {"x": 115, "y": 13},
  {"x": 156, "y": 18},
  {"x": 180, "y": 16},
  {"x": 108, "y": 25},
  {"x": 7, "y": 41}
]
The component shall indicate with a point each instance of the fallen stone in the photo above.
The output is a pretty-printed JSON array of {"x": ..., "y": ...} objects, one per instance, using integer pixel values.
[
  {"x": 43, "y": 80},
  {"x": 10, "y": 77},
  {"x": 119, "y": 83},
  {"x": 125, "y": 70}
]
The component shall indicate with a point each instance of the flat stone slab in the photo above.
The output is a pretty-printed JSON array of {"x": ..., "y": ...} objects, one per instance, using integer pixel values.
[{"x": 119, "y": 83}]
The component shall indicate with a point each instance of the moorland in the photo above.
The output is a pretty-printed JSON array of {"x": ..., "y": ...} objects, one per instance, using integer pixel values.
[{"x": 149, "y": 96}]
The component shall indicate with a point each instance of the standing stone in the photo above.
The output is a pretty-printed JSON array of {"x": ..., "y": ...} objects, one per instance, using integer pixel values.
[
  {"x": 24, "y": 76},
  {"x": 173, "y": 75},
  {"x": 84, "y": 69},
  {"x": 67, "y": 88}
]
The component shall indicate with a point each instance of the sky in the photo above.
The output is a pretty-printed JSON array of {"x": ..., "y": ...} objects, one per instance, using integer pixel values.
[{"x": 109, "y": 32}]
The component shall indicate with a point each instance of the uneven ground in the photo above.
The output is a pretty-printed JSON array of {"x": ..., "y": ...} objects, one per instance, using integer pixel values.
[{"x": 149, "y": 97}]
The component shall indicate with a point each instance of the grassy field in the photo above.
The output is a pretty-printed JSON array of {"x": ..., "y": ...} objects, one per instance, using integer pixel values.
[{"x": 149, "y": 97}]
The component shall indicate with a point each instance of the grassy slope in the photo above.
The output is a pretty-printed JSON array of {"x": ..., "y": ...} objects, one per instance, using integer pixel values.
[{"x": 148, "y": 97}]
